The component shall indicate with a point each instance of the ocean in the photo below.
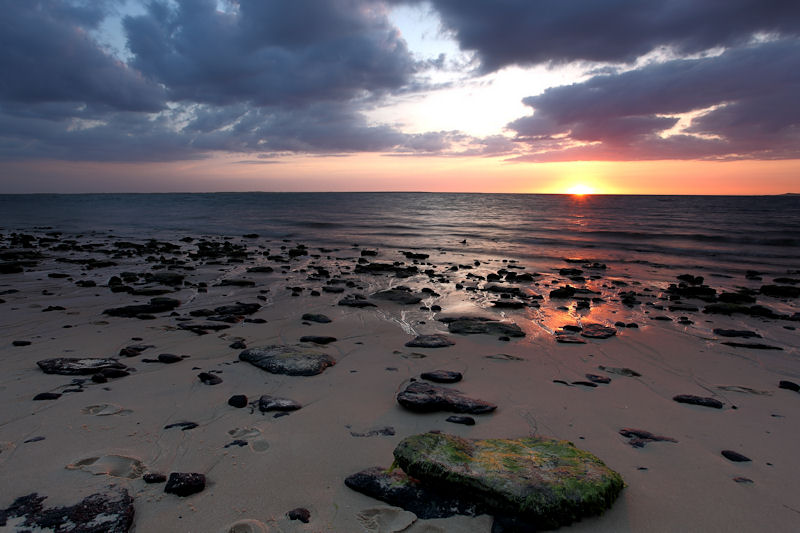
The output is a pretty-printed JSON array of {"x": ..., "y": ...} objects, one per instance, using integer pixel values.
[{"x": 727, "y": 235}]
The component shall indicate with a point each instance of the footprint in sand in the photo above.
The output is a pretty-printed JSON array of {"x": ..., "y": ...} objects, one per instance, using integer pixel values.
[
  {"x": 256, "y": 444},
  {"x": 385, "y": 519},
  {"x": 247, "y": 525},
  {"x": 110, "y": 465},
  {"x": 105, "y": 409}
]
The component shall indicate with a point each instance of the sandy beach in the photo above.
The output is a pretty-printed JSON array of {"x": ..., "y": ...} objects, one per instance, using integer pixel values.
[{"x": 259, "y": 466}]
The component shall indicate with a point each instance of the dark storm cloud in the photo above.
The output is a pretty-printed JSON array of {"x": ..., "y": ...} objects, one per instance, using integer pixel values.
[
  {"x": 527, "y": 32},
  {"x": 747, "y": 98}
]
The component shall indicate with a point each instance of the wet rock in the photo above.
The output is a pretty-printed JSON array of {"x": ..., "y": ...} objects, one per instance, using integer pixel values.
[
  {"x": 639, "y": 437},
  {"x": 154, "y": 477},
  {"x": 20, "y": 343},
  {"x": 111, "y": 512},
  {"x": 402, "y": 296},
  {"x": 238, "y": 401},
  {"x": 442, "y": 376},
  {"x": 46, "y": 396},
  {"x": 78, "y": 366},
  {"x": 273, "y": 403},
  {"x": 789, "y": 385},
  {"x": 317, "y": 339},
  {"x": 425, "y": 398},
  {"x": 597, "y": 331},
  {"x": 185, "y": 426},
  {"x": 461, "y": 419},
  {"x": 236, "y": 283},
  {"x": 318, "y": 318},
  {"x": 467, "y": 325},
  {"x": 541, "y": 479},
  {"x": 209, "y": 379},
  {"x": 594, "y": 378},
  {"x": 567, "y": 338},
  {"x": 156, "y": 305},
  {"x": 291, "y": 360},
  {"x": 699, "y": 292},
  {"x": 356, "y": 300},
  {"x": 430, "y": 341},
  {"x": 736, "y": 457},
  {"x": 690, "y": 279},
  {"x": 168, "y": 358},
  {"x": 202, "y": 329},
  {"x": 736, "y": 333},
  {"x": 300, "y": 513},
  {"x": 698, "y": 400},
  {"x": 752, "y": 345},
  {"x": 731, "y": 309},
  {"x": 780, "y": 291},
  {"x": 185, "y": 484},
  {"x": 261, "y": 269},
  {"x": 386, "y": 431},
  {"x": 620, "y": 371}
]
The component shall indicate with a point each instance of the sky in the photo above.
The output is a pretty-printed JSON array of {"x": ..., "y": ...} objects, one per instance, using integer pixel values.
[{"x": 529, "y": 96}]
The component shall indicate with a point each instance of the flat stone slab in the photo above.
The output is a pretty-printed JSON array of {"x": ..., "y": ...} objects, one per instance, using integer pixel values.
[
  {"x": 597, "y": 331},
  {"x": 78, "y": 366},
  {"x": 426, "y": 398},
  {"x": 111, "y": 512},
  {"x": 549, "y": 482},
  {"x": 471, "y": 325},
  {"x": 291, "y": 360},
  {"x": 430, "y": 341}
]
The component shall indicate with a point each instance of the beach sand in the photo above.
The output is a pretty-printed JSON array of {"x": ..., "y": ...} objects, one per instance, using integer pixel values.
[{"x": 100, "y": 434}]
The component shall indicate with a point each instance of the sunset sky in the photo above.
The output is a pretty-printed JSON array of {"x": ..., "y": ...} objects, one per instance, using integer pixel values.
[{"x": 612, "y": 96}]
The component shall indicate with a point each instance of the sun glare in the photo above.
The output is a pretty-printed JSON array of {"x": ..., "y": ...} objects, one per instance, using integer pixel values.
[{"x": 580, "y": 190}]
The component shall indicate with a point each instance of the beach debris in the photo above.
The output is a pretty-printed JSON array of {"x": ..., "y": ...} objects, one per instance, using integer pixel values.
[
  {"x": 585, "y": 383},
  {"x": 698, "y": 400},
  {"x": 20, "y": 343},
  {"x": 425, "y": 398},
  {"x": 300, "y": 513},
  {"x": 442, "y": 376},
  {"x": 290, "y": 360},
  {"x": 185, "y": 484},
  {"x": 79, "y": 366},
  {"x": 430, "y": 341},
  {"x": 461, "y": 419},
  {"x": 597, "y": 331},
  {"x": 789, "y": 385},
  {"x": 620, "y": 371},
  {"x": 736, "y": 457},
  {"x": 476, "y": 325},
  {"x": 639, "y": 437},
  {"x": 209, "y": 379},
  {"x": 273, "y": 403},
  {"x": 318, "y": 318},
  {"x": 111, "y": 512}
]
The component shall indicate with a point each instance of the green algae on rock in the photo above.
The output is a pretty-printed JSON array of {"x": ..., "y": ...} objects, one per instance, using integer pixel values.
[{"x": 546, "y": 481}]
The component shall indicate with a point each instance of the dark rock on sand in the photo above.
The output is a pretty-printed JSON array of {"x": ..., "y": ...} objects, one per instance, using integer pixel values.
[
  {"x": 273, "y": 403},
  {"x": 21, "y": 343},
  {"x": 386, "y": 431},
  {"x": 185, "y": 484},
  {"x": 549, "y": 481},
  {"x": 185, "y": 426},
  {"x": 780, "y": 291},
  {"x": 425, "y": 398},
  {"x": 47, "y": 396},
  {"x": 394, "y": 487},
  {"x": 752, "y": 345},
  {"x": 736, "y": 457},
  {"x": 317, "y": 339},
  {"x": 320, "y": 319},
  {"x": 731, "y": 309},
  {"x": 698, "y": 400},
  {"x": 461, "y": 419},
  {"x": 567, "y": 291},
  {"x": 111, "y": 512},
  {"x": 597, "y": 331},
  {"x": 472, "y": 325},
  {"x": 236, "y": 283},
  {"x": 356, "y": 300},
  {"x": 639, "y": 437},
  {"x": 74, "y": 366},
  {"x": 400, "y": 295},
  {"x": 736, "y": 333},
  {"x": 442, "y": 376},
  {"x": 620, "y": 371},
  {"x": 156, "y": 305},
  {"x": 154, "y": 477},
  {"x": 430, "y": 341},
  {"x": 238, "y": 401},
  {"x": 789, "y": 385},
  {"x": 209, "y": 379},
  {"x": 168, "y": 358},
  {"x": 594, "y": 378},
  {"x": 203, "y": 329},
  {"x": 291, "y": 360},
  {"x": 300, "y": 513}
]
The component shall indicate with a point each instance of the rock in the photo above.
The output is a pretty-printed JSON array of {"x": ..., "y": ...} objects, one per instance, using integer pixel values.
[
  {"x": 639, "y": 437},
  {"x": 597, "y": 331},
  {"x": 73, "y": 366},
  {"x": 154, "y": 477},
  {"x": 698, "y": 400},
  {"x": 752, "y": 345},
  {"x": 237, "y": 345},
  {"x": 20, "y": 343},
  {"x": 566, "y": 338},
  {"x": 425, "y": 398},
  {"x": 541, "y": 479},
  {"x": 185, "y": 484},
  {"x": 236, "y": 283},
  {"x": 320, "y": 319},
  {"x": 238, "y": 401},
  {"x": 209, "y": 379},
  {"x": 291, "y": 360},
  {"x": 156, "y": 305},
  {"x": 317, "y": 339},
  {"x": 402, "y": 296},
  {"x": 467, "y": 325},
  {"x": 168, "y": 358},
  {"x": 780, "y": 291},
  {"x": 185, "y": 426},
  {"x": 736, "y": 457},
  {"x": 300, "y": 513},
  {"x": 166, "y": 278},
  {"x": 620, "y": 371},
  {"x": 394, "y": 487},
  {"x": 594, "y": 378},
  {"x": 356, "y": 300},
  {"x": 261, "y": 269},
  {"x": 789, "y": 385},
  {"x": 730, "y": 309},
  {"x": 461, "y": 419},
  {"x": 430, "y": 341},
  {"x": 386, "y": 431},
  {"x": 567, "y": 291},
  {"x": 273, "y": 403},
  {"x": 442, "y": 376},
  {"x": 736, "y": 333},
  {"x": 46, "y": 396},
  {"x": 111, "y": 512}
]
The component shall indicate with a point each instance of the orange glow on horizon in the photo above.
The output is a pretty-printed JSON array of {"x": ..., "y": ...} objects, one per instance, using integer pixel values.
[{"x": 580, "y": 190}]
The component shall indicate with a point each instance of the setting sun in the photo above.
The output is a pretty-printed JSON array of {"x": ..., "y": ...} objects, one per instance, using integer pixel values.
[{"x": 580, "y": 190}]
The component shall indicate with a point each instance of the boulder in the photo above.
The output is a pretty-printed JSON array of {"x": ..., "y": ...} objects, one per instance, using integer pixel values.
[
  {"x": 426, "y": 398},
  {"x": 291, "y": 360}
]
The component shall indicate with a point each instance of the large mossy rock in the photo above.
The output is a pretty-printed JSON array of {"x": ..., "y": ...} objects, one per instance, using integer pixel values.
[
  {"x": 548, "y": 482},
  {"x": 291, "y": 360}
]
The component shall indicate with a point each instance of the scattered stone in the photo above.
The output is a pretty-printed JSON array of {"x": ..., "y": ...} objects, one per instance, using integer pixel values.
[
  {"x": 461, "y": 419},
  {"x": 21, "y": 343},
  {"x": 467, "y": 325},
  {"x": 386, "y": 431},
  {"x": 356, "y": 300},
  {"x": 567, "y": 338},
  {"x": 736, "y": 457},
  {"x": 111, "y": 512},
  {"x": 400, "y": 295},
  {"x": 752, "y": 345},
  {"x": 639, "y": 437},
  {"x": 72, "y": 366},
  {"x": 238, "y": 442},
  {"x": 620, "y": 371},
  {"x": 301, "y": 513},
  {"x": 168, "y": 358},
  {"x": 238, "y": 401},
  {"x": 47, "y": 396},
  {"x": 744, "y": 390},
  {"x": 185, "y": 426},
  {"x": 154, "y": 477},
  {"x": 272, "y": 403},
  {"x": 567, "y": 291},
  {"x": 185, "y": 484},
  {"x": 698, "y": 400},
  {"x": 780, "y": 291},
  {"x": 594, "y": 378},
  {"x": 736, "y": 333},
  {"x": 318, "y": 339},
  {"x": 597, "y": 331},
  {"x": 156, "y": 305},
  {"x": 425, "y": 398},
  {"x": 318, "y": 318},
  {"x": 430, "y": 341},
  {"x": 236, "y": 283},
  {"x": 789, "y": 385},
  {"x": 504, "y": 357},
  {"x": 291, "y": 360},
  {"x": 541, "y": 479},
  {"x": 585, "y": 384},
  {"x": 209, "y": 379},
  {"x": 442, "y": 376}
]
